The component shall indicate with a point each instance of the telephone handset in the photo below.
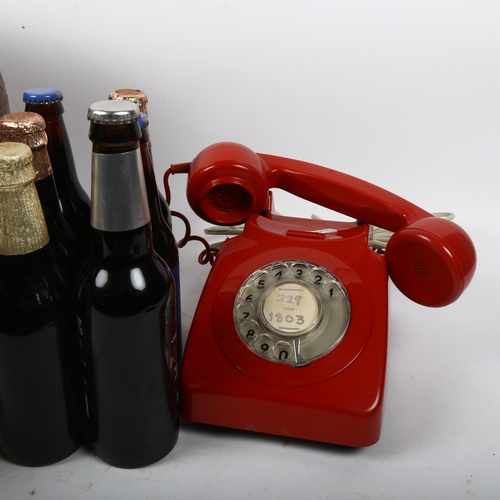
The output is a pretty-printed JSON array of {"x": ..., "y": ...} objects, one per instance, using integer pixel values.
[{"x": 290, "y": 333}]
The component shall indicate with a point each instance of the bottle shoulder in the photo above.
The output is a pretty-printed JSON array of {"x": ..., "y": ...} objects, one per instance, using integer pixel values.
[
  {"x": 32, "y": 295},
  {"x": 124, "y": 285}
]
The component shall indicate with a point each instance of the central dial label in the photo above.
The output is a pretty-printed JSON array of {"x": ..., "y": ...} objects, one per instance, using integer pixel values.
[{"x": 291, "y": 308}]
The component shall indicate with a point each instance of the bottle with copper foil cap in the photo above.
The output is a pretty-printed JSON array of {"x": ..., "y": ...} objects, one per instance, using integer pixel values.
[
  {"x": 40, "y": 383},
  {"x": 4, "y": 98},
  {"x": 75, "y": 202},
  {"x": 68, "y": 251},
  {"x": 140, "y": 98},
  {"x": 126, "y": 304}
]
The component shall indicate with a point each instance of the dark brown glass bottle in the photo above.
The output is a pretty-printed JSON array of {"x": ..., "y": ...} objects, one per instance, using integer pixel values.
[
  {"x": 40, "y": 384},
  {"x": 68, "y": 252},
  {"x": 75, "y": 203},
  {"x": 126, "y": 304},
  {"x": 4, "y": 98},
  {"x": 164, "y": 243}
]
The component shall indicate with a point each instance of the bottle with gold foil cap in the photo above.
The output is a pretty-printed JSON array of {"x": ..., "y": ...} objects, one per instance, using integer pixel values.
[
  {"x": 40, "y": 389},
  {"x": 29, "y": 128},
  {"x": 75, "y": 202}
]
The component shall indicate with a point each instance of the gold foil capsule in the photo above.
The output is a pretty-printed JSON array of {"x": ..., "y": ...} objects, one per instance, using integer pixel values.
[
  {"x": 134, "y": 95},
  {"x": 22, "y": 224},
  {"x": 28, "y": 128}
]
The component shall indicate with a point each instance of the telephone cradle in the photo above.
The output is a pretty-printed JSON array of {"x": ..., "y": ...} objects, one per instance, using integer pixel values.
[{"x": 290, "y": 333}]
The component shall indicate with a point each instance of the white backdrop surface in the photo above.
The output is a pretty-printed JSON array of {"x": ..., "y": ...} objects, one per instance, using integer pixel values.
[{"x": 404, "y": 94}]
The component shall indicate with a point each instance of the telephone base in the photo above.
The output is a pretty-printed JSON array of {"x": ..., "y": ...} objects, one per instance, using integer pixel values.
[{"x": 336, "y": 397}]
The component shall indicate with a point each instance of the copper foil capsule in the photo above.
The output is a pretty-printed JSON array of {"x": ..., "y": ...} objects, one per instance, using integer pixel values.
[{"x": 28, "y": 128}]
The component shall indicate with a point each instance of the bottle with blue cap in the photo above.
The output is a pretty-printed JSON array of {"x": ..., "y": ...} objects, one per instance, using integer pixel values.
[
  {"x": 126, "y": 304},
  {"x": 164, "y": 242},
  {"x": 75, "y": 203}
]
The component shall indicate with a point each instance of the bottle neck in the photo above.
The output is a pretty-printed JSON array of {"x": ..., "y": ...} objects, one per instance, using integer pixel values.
[
  {"x": 149, "y": 175},
  {"x": 23, "y": 224},
  {"x": 59, "y": 147},
  {"x": 118, "y": 192}
]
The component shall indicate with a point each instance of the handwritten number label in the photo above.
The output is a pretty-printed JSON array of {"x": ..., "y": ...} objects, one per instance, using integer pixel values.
[{"x": 289, "y": 299}]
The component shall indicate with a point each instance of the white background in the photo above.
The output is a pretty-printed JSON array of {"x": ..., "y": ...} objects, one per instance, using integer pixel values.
[{"x": 405, "y": 94}]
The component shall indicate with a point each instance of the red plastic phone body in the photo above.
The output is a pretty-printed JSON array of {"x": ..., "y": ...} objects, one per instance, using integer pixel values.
[{"x": 339, "y": 397}]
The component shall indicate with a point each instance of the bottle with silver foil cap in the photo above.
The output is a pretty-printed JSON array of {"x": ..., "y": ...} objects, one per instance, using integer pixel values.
[
  {"x": 40, "y": 390},
  {"x": 75, "y": 203},
  {"x": 140, "y": 98},
  {"x": 126, "y": 304},
  {"x": 29, "y": 128}
]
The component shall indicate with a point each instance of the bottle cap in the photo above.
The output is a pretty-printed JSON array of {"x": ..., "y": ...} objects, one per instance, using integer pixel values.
[
  {"x": 42, "y": 95},
  {"x": 133, "y": 95},
  {"x": 113, "y": 112},
  {"x": 143, "y": 120},
  {"x": 23, "y": 223},
  {"x": 28, "y": 128}
]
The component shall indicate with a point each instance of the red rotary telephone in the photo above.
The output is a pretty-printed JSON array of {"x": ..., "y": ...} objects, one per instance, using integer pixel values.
[{"x": 290, "y": 333}]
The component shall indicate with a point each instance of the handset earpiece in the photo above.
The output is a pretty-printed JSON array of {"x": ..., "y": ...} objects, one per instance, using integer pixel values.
[
  {"x": 431, "y": 261},
  {"x": 226, "y": 184}
]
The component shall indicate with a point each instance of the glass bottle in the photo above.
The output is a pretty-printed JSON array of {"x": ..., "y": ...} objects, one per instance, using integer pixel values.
[
  {"x": 126, "y": 304},
  {"x": 141, "y": 99},
  {"x": 29, "y": 128},
  {"x": 164, "y": 243},
  {"x": 75, "y": 203},
  {"x": 4, "y": 97},
  {"x": 40, "y": 384}
]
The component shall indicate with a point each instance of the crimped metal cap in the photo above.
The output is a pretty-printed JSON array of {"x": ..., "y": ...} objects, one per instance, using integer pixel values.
[
  {"x": 143, "y": 120},
  {"x": 133, "y": 95},
  {"x": 16, "y": 164},
  {"x": 113, "y": 112},
  {"x": 42, "y": 95}
]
